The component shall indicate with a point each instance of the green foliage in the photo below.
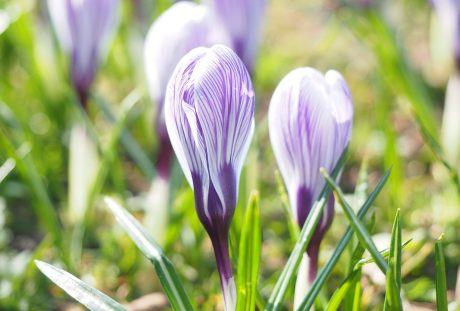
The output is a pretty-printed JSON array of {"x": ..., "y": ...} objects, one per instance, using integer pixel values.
[
  {"x": 165, "y": 270},
  {"x": 249, "y": 256},
  {"x": 441, "y": 286},
  {"x": 88, "y": 296}
]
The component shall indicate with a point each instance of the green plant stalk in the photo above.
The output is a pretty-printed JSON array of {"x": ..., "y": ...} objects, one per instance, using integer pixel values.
[
  {"x": 341, "y": 246},
  {"x": 287, "y": 275},
  {"x": 361, "y": 232},
  {"x": 393, "y": 277},
  {"x": 440, "y": 271},
  {"x": 249, "y": 256},
  {"x": 129, "y": 143},
  {"x": 78, "y": 233}
]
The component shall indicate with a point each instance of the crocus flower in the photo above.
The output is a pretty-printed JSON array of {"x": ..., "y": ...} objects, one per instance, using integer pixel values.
[
  {"x": 84, "y": 29},
  {"x": 447, "y": 36},
  {"x": 209, "y": 112},
  {"x": 184, "y": 26},
  {"x": 243, "y": 20},
  {"x": 310, "y": 121}
]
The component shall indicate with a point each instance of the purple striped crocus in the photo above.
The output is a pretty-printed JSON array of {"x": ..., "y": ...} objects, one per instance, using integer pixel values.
[
  {"x": 310, "y": 122},
  {"x": 184, "y": 26},
  {"x": 209, "y": 113},
  {"x": 84, "y": 29},
  {"x": 243, "y": 20}
]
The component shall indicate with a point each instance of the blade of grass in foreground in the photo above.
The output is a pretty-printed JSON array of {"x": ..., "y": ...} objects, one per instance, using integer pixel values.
[
  {"x": 441, "y": 285},
  {"x": 249, "y": 256},
  {"x": 79, "y": 290},
  {"x": 363, "y": 235},
  {"x": 393, "y": 277},
  {"x": 341, "y": 246},
  {"x": 287, "y": 275},
  {"x": 166, "y": 273}
]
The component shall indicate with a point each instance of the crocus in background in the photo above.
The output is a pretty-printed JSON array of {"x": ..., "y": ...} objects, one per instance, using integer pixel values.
[
  {"x": 84, "y": 29},
  {"x": 445, "y": 47},
  {"x": 310, "y": 121},
  {"x": 184, "y": 26},
  {"x": 243, "y": 20},
  {"x": 209, "y": 112}
]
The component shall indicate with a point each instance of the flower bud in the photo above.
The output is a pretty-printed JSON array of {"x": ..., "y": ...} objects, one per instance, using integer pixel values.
[
  {"x": 310, "y": 121},
  {"x": 84, "y": 29},
  {"x": 209, "y": 114}
]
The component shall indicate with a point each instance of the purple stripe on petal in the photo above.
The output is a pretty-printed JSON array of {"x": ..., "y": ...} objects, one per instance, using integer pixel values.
[
  {"x": 209, "y": 115},
  {"x": 310, "y": 122}
]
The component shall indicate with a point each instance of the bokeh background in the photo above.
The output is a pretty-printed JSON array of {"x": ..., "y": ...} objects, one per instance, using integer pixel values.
[{"x": 389, "y": 53}]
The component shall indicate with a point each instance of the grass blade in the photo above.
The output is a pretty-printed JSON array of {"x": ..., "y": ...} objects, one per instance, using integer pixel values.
[
  {"x": 393, "y": 277},
  {"x": 79, "y": 290},
  {"x": 341, "y": 292},
  {"x": 363, "y": 235},
  {"x": 249, "y": 256},
  {"x": 288, "y": 273},
  {"x": 129, "y": 143},
  {"x": 6, "y": 168},
  {"x": 341, "y": 246},
  {"x": 166, "y": 273},
  {"x": 441, "y": 284}
]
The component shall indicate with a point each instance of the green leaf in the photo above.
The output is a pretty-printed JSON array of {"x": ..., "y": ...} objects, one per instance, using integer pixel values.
[
  {"x": 361, "y": 232},
  {"x": 393, "y": 276},
  {"x": 385, "y": 253},
  {"x": 79, "y": 290},
  {"x": 6, "y": 168},
  {"x": 249, "y": 256},
  {"x": 441, "y": 284},
  {"x": 163, "y": 267},
  {"x": 341, "y": 246},
  {"x": 287, "y": 275},
  {"x": 129, "y": 142},
  {"x": 348, "y": 285}
]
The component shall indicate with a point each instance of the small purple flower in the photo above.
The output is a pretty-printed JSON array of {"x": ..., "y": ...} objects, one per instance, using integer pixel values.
[
  {"x": 184, "y": 26},
  {"x": 449, "y": 16},
  {"x": 84, "y": 29},
  {"x": 243, "y": 20},
  {"x": 209, "y": 113},
  {"x": 310, "y": 121}
]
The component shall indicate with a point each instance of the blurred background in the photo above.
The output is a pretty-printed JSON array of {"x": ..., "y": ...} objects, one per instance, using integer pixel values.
[{"x": 390, "y": 52}]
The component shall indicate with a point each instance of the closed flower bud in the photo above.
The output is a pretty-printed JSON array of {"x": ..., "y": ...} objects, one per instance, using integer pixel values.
[
  {"x": 183, "y": 27},
  {"x": 310, "y": 121},
  {"x": 209, "y": 113},
  {"x": 445, "y": 33},
  {"x": 84, "y": 29},
  {"x": 243, "y": 20}
]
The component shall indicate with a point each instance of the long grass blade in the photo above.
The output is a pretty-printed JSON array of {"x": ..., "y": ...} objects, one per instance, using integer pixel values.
[
  {"x": 249, "y": 256},
  {"x": 341, "y": 246},
  {"x": 363, "y": 235},
  {"x": 441, "y": 284},
  {"x": 163, "y": 267},
  {"x": 287, "y": 275},
  {"x": 88, "y": 296},
  {"x": 393, "y": 277}
]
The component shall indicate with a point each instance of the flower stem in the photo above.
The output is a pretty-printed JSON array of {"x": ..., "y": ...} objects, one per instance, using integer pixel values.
[{"x": 227, "y": 282}]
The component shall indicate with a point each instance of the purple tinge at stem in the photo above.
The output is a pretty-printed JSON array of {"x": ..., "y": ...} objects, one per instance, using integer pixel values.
[
  {"x": 310, "y": 121},
  {"x": 84, "y": 29},
  {"x": 209, "y": 115}
]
